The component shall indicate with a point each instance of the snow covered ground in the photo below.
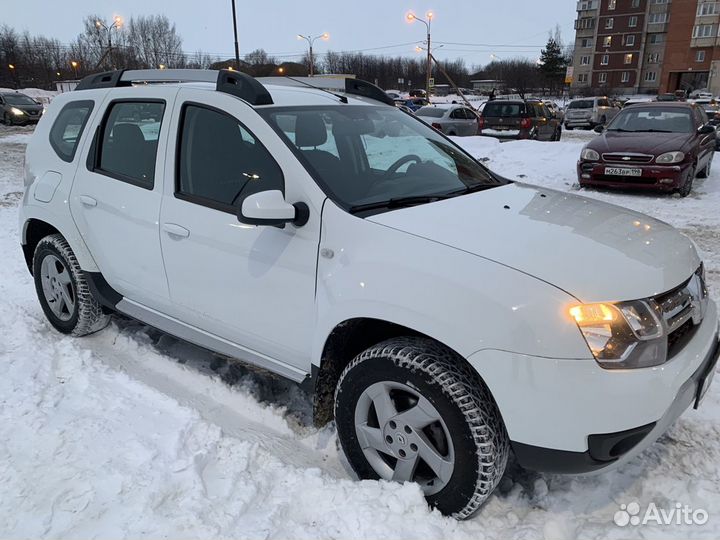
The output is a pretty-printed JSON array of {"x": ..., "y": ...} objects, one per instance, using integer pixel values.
[{"x": 131, "y": 433}]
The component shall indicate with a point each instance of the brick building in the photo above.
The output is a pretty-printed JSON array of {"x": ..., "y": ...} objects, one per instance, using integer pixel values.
[{"x": 645, "y": 46}]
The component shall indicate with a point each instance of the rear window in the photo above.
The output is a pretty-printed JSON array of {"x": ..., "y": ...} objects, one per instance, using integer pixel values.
[
  {"x": 508, "y": 110},
  {"x": 68, "y": 128},
  {"x": 129, "y": 141},
  {"x": 581, "y": 104},
  {"x": 431, "y": 112}
]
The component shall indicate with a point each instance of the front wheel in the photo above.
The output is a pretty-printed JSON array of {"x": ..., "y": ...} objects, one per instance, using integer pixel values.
[
  {"x": 686, "y": 188},
  {"x": 705, "y": 172},
  {"x": 411, "y": 410},
  {"x": 63, "y": 291}
]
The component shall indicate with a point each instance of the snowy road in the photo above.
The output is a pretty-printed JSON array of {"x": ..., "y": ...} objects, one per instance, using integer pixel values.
[{"x": 131, "y": 433}]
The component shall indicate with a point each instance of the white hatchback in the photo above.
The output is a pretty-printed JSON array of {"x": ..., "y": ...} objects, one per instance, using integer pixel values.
[{"x": 443, "y": 316}]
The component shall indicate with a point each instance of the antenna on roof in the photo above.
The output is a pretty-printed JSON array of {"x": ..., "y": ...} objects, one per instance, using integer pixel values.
[{"x": 343, "y": 99}]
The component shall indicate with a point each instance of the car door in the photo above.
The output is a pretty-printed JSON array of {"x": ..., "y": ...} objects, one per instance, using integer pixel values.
[
  {"x": 470, "y": 127},
  {"x": 251, "y": 285},
  {"x": 115, "y": 197},
  {"x": 455, "y": 122}
]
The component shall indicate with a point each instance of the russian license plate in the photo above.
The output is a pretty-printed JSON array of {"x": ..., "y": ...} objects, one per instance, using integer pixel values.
[{"x": 622, "y": 171}]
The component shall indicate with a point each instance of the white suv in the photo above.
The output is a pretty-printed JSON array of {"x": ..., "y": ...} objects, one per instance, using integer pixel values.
[{"x": 442, "y": 315}]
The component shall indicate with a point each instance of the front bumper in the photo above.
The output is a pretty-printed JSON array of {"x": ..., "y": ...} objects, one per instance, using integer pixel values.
[
  {"x": 572, "y": 416},
  {"x": 655, "y": 177}
]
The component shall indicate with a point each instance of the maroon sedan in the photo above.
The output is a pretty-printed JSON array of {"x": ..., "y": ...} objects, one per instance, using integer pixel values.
[{"x": 659, "y": 146}]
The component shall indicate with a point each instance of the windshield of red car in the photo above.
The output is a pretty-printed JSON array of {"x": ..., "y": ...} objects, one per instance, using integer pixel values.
[{"x": 653, "y": 119}]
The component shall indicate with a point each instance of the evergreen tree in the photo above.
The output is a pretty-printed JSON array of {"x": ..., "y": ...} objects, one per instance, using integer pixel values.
[{"x": 553, "y": 63}]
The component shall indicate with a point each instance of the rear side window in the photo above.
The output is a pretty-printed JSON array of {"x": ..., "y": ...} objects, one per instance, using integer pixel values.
[
  {"x": 130, "y": 134},
  {"x": 69, "y": 125},
  {"x": 431, "y": 112},
  {"x": 507, "y": 110},
  {"x": 220, "y": 162}
]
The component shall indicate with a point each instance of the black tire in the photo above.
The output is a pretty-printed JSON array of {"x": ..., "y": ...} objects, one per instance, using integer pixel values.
[
  {"x": 705, "y": 172},
  {"x": 86, "y": 315},
  {"x": 470, "y": 415},
  {"x": 686, "y": 188}
]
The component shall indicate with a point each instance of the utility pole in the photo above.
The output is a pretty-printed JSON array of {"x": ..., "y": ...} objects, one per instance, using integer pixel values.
[{"x": 237, "y": 48}]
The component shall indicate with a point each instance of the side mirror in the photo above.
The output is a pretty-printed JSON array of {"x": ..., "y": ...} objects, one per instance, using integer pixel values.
[
  {"x": 706, "y": 129},
  {"x": 599, "y": 129},
  {"x": 270, "y": 208}
]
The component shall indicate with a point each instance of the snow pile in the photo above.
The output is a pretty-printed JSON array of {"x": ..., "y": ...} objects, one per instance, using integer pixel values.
[{"x": 131, "y": 433}]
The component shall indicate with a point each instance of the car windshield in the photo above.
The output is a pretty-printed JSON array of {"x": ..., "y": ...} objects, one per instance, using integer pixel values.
[
  {"x": 581, "y": 104},
  {"x": 508, "y": 110},
  {"x": 652, "y": 119},
  {"x": 431, "y": 112},
  {"x": 19, "y": 99},
  {"x": 366, "y": 156}
]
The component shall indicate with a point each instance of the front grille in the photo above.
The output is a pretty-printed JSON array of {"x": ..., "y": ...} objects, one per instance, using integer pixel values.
[
  {"x": 627, "y": 158},
  {"x": 682, "y": 309}
]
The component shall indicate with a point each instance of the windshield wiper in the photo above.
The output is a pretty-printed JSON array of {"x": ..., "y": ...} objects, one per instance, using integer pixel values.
[
  {"x": 656, "y": 131},
  {"x": 623, "y": 130},
  {"x": 399, "y": 202}
]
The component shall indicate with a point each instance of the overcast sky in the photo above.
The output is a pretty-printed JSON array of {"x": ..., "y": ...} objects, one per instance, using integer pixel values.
[{"x": 504, "y": 28}]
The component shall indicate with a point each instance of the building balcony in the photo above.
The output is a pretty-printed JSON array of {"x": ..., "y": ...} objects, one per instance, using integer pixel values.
[
  {"x": 587, "y": 5},
  {"x": 703, "y": 42}
]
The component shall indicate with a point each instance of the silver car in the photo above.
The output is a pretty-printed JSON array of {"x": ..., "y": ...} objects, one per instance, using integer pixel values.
[
  {"x": 589, "y": 112},
  {"x": 456, "y": 120}
]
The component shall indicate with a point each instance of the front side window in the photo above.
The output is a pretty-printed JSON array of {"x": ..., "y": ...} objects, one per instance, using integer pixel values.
[
  {"x": 129, "y": 141},
  {"x": 68, "y": 127},
  {"x": 381, "y": 155},
  {"x": 220, "y": 162}
]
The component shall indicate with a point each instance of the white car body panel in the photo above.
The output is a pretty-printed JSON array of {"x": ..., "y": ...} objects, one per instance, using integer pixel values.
[
  {"x": 464, "y": 301},
  {"x": 251, "y": 285},
  {"x": 595, "y": 251}
]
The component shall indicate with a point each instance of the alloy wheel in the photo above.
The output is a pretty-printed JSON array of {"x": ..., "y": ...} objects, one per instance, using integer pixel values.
[
  {"x": 57, "y": 287},
  {"x": 403, "y": 436}
]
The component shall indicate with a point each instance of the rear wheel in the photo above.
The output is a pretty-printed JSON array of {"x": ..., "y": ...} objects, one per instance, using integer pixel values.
[
  {"x": 411, "y": 410},
  {"x": 63, "y": 291}
]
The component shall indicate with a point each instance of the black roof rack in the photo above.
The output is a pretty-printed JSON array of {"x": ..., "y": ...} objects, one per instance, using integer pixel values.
[
  {"x": 231, "y": 82},
  {"x": 347, "y": 85}
]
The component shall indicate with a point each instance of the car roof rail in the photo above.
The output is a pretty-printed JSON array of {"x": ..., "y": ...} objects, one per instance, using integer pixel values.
[
  {"x": 347, "y": 85},
  {"x": 228, "y": 81}
]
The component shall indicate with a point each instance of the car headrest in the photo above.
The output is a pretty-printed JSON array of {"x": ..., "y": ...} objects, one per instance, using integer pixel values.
[
  {"x": 310, "y": 130},
  {"x": 128, "y": 133}
]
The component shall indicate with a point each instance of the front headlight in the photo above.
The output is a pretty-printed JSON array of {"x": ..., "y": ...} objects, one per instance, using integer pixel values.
[
  {"x": 623, "y": 335},
  {"x": 588, "y": 154},
  {"x": 16, "y": 111},
  {"x": 670, "y": 157}
]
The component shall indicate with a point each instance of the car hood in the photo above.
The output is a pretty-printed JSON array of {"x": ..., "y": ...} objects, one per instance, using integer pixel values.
[
  {"x": 593, "y": 250},
  {"x": 642, "y": 143}
]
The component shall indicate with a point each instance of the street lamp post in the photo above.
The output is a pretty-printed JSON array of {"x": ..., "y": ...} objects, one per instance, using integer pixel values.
[
  {"x": 237, "y": 48},
  {"x": 74, "y": 65},
  {"x": 411, "y": 17},
  {"x": 116, "y": 24},
  {"x": 311, "y": 41}
]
